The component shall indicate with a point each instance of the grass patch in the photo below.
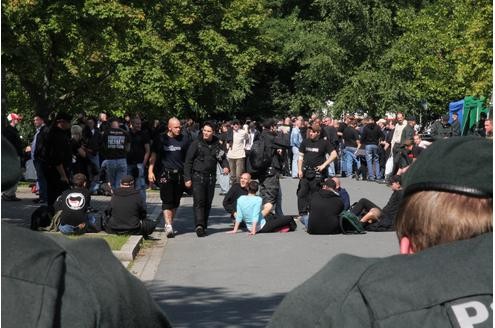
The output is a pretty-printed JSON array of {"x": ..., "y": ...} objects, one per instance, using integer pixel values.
[{"x": 114, "y": 241}]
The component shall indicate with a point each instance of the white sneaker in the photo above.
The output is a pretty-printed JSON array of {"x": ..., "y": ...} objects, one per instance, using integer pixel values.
[{"x": 169, "y": 231}]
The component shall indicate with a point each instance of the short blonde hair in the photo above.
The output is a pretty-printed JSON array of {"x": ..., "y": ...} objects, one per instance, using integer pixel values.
[{"x": 430, "y": 218}]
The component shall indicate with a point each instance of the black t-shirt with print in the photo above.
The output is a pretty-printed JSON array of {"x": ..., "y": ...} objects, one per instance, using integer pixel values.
[
  {"x": 73, "y": 203},
  {"x": 114, "y": 143},
  {"x": 171, "y": 151},
  {"x": 315, "y": 151}
]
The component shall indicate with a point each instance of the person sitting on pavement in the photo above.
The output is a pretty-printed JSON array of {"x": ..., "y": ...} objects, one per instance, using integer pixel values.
[
  {"x": 258, "y": 218},
  {"x": 376, "y": 219},
  {"x": 237, "y": 190},
  {"x": 74, "y": 205},
  {"x": 444, "y": 273},
  {"x": 127, "y": 214},
  {"x": 344, "y": 195},
  {"x": 326, "y": 205}
]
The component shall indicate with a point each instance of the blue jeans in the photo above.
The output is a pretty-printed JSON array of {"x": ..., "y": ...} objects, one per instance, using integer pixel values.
[
  {"x": 116, "y": 169},
  {"x": 349, "y": 158},
  {"x": 373, "y": 162},
  {"x": 331, "y": 169},
  {"x": 42, "y": 184},
  {"x": 223, "y": 180},
  {"x": 305, "y": 220},
  {"x": 140, "y": 183},
  {"x": 68, "y": 229},
  {"x": 295, "y": 158}
]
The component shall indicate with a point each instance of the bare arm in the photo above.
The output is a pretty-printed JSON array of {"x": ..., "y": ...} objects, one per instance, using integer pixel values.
[{"x": 151, "y": 175}]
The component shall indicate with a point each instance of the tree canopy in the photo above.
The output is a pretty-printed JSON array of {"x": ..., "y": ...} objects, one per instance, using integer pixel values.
[{"x": 242, "y": 58}]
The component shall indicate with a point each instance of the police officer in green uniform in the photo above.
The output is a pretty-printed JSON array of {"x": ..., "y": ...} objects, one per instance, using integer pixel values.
[
  {"x": 52, "y": 281},
  {"x": 443, "y": 276}
]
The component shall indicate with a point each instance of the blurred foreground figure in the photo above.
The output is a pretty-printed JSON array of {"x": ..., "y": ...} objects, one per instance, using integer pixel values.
[
  {"x": 443, "y": 277},
  {"x": 51, "y": 281}
]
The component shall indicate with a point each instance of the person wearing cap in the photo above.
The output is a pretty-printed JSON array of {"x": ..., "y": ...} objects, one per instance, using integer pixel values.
[
  {"x": 315, "y": 154},
  {"x": 236, "y": 154},
  {"x": 326, "y": 205},
  {"x": 115, "y": 146},
  {"x": 127, "y": 213},
  {"x": 372, "y": 216},
  {"x": 443, "y": 276},
  {"x": 405, "y": 157},
  {"x": 57, "y": 157},
  {"x": 441, "y": 128},
  {"x": 167, "y": 169}
]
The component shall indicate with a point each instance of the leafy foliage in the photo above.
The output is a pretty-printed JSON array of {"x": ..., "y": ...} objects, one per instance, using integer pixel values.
[{"x": 253, "y": 58}]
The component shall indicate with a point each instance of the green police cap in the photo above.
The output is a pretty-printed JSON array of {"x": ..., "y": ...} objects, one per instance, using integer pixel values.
[{"x": 460, "y": 165}]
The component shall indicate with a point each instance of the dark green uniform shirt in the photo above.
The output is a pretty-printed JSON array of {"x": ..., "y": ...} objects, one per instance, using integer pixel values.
[
  {"x": 444, "y": 286},
  {"x": 51, "y": 281}
]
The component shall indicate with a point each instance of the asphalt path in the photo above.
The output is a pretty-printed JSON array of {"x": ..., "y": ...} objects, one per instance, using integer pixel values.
[{"x": 226, "y": 280}]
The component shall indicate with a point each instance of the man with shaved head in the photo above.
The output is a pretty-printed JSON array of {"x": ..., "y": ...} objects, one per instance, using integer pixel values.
[{"x": 167, "y": 169}]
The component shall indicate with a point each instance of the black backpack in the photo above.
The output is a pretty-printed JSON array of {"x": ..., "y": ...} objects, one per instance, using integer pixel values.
[{"x": 260, "y": 156}]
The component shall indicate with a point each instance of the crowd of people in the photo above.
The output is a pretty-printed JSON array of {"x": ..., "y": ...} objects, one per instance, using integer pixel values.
[
  {"x": 118, "y": 157},
  {"x": 441, "y": 207}
]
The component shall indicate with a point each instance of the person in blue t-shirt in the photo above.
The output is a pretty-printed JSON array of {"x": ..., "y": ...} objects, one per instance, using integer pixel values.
[{"x": 259, "y": 218}]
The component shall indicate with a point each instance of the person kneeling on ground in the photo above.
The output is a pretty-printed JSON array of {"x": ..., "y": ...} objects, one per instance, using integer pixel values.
[
  {"x": 326, "y": 205},
  {"x": 443, "y": 276},
  {"x": 258, "y": 220},
  {"x": 73, "y": 204},
  {"x": 127, "y": 214},
  {"x": 376, "y": 219}
]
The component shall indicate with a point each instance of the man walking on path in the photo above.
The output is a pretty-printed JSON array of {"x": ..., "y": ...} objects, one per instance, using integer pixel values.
[
  {"x": 200, "y": 174},
  {"x": 167, "y": 162}
]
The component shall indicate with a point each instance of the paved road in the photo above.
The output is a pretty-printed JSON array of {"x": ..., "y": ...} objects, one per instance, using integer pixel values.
[{"x": 237, "y": 280}]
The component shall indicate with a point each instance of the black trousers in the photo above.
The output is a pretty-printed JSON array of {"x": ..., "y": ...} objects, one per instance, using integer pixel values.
[
  {"x": 55, "y": 186},
  {"x": 269, "y": 188},
  {"x": 275, "y": 222},
  {"x": 363, "y": 206},
  {"x": 305, "y": 190},
  {"x": 203, "y": 189}
]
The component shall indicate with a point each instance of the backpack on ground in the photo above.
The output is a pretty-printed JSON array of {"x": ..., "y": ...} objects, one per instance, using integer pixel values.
[
  {"x": 41, "y": 218},
  {"x": 350, "y": 224},
  {"x": 260, "y": 156}
]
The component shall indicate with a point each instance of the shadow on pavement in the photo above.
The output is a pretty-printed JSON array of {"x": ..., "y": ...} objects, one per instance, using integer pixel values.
[
  {"x": 219, "y": 221},
  {"x": 212, "y": 307}
]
